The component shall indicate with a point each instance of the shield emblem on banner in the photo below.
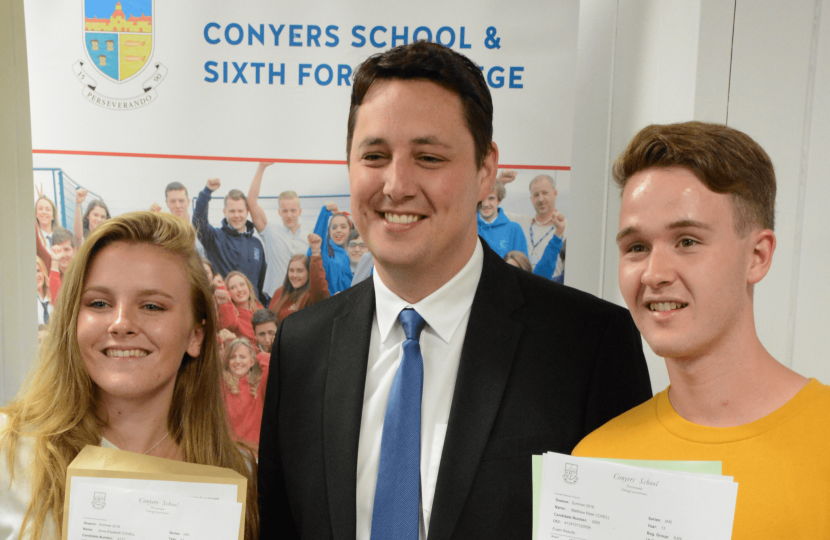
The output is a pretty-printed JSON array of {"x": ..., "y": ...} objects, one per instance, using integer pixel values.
[{"x": 118, "y": 36}]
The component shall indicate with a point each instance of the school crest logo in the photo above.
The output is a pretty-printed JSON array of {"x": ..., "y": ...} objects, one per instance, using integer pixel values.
[
  {"x": 99, "y": 500},
  {"x": 570, "y": 473},
  {"x": 119, "y": 40}
]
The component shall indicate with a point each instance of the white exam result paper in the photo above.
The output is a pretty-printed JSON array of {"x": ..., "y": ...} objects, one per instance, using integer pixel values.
[
  {"x": 586, "y": 499},
  {"x": 112, "y": 510}
]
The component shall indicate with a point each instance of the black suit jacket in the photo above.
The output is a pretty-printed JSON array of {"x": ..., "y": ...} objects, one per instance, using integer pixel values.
[{"x": 542, "y": 366}]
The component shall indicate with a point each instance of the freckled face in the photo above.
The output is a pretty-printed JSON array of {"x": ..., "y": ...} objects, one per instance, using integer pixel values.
[{"x": 136, "y": 320}]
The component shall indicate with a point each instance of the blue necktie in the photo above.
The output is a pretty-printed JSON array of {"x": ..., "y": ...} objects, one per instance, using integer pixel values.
[{"x": 396, "y": 511}]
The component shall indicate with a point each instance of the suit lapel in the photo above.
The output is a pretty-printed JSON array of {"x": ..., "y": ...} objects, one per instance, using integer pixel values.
[
  {"x": 486, "y": 359},
  {"x": 343, "y": 406}
]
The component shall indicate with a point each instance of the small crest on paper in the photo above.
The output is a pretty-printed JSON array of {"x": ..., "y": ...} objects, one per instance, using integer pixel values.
[
  {"x": 99, "y": 500},
  {"x": 570, "y": 473}
]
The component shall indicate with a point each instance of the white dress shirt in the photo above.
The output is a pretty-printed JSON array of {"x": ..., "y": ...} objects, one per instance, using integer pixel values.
[
  {"x": 446, "y": 312},
  {"x": 280, "y": 245}
]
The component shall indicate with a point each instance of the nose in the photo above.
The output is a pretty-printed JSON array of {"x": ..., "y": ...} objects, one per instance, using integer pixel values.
[
  {"x": 122, "y": 324},
  {"x": 399, "y": 183},
  {"x": 659, "y": 270}
]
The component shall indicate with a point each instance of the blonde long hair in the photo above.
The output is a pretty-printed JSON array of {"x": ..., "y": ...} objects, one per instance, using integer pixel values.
[
  {"x": 58, "y": 405},
  {"x": 254, "y": 376},
  {"x": 252, "y": 304}
]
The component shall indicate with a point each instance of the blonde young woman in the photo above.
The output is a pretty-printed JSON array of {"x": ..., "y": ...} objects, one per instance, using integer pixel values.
[
  {"x": 237, "y": 307},
  {"x": 130, "y": 362},
  {"x": 243, "y": 388}
]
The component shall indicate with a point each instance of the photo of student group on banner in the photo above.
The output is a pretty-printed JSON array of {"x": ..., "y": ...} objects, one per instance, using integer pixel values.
[{"x": 234, "y": 118}]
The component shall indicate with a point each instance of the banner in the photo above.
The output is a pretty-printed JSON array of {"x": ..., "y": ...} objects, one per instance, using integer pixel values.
[{"x": 128, "y": 96}]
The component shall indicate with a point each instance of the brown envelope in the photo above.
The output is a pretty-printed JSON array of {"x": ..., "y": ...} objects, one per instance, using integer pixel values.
[{"x": 98, "y": 462}]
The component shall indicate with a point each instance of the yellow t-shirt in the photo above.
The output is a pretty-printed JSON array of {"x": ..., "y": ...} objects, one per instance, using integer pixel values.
[{"x": 781, "y": 462}]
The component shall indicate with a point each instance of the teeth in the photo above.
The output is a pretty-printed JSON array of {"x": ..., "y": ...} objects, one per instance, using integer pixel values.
[
  {"x": 116, "y": 353},
  {"x": 665, "y": 306},
  {"x": 401, "y": 218}
]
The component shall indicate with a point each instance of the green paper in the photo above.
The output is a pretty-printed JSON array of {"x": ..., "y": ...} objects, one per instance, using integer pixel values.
[
  {"x": 704, "y": 467},
  {"x": 537, "y": 490}
]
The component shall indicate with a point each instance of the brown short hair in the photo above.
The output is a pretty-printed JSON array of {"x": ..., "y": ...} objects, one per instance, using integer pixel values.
[
  {"x": 498, "y": 187},
  {"x": 236, "y": 195},
  {"x": 423, "y": 60},
  {"x": 724, "y": 159}
]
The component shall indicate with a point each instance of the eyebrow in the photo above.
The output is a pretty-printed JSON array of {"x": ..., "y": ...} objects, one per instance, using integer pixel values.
[
  {"x": 427, "y": 140},
  {"x": 682, "y": 224},
  {"x": 143, "y": 292}
]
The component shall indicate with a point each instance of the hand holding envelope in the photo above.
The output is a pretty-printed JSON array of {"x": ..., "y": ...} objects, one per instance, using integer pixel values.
[{"x": 116, "y": 494}]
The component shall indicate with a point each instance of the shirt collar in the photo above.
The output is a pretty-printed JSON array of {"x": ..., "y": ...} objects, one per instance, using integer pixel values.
[{"x": 442, "y": 310}]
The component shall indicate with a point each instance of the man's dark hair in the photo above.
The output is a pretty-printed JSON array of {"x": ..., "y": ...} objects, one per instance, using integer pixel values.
[
  {"x": 175, "y": 186},
  {"x": 423, "y": 60},
  {"x": 262, "y": 316},
  {"x": 61, "y": 235},
  {"x": 723, "y": 158}
]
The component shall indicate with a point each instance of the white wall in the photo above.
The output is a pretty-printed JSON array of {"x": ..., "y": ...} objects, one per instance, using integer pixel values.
[
  {"x": 18, "y": 336},
  {"x": 762, "y": 67}
]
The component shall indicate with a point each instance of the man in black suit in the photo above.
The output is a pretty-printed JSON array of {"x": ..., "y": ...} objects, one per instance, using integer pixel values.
[{"x": 502, "y": 364}]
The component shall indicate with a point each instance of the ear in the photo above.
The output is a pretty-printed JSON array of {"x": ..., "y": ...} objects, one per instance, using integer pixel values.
[
  {"x": 763, "y": 246},
  {"x": 194, "y": 344},
  {"x": 225, "y": 212},
  {"x": 487, "y": 173}
]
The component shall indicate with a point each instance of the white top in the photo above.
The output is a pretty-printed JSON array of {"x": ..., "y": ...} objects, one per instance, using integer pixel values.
[
  {"x": 280, "y": 245},
  {"x": 40, "y": 303},
  {"x": 15, "y": 499},
  {"x": 446, "y": 312},
  {"x": 542, "y": 235}
]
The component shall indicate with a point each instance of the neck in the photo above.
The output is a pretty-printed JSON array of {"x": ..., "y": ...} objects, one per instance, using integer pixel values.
[
  {"x": 492, "y": 218},
  {"x": 293, "y": 228},
  {"x": 46, "y": 228},
  {"x": 413, "y": 283},
  {"x": 136, "y": 425},
  {"x": 42, "y": 293},
  {"x": 735, "y": 385},
  {"x": 242, "y": 305}
]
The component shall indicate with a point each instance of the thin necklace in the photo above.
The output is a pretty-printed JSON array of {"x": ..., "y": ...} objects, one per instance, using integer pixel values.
[{"x": 158, "y": 443}]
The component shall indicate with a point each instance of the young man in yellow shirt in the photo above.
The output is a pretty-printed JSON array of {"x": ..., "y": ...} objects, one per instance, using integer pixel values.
[{"x": 696, "y": 235}]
